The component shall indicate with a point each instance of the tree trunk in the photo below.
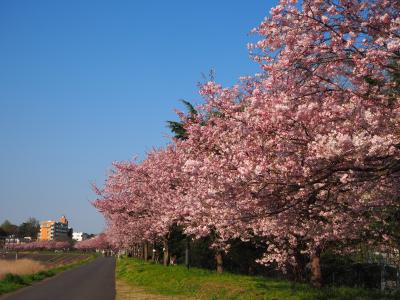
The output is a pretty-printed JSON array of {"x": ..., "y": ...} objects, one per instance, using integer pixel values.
[
  {"x": 187, "y": 253},
  {"x": 138, "y": 251},
  {"x": 219, "y": 260},
  {"x": 166, "y": 252},
  {"x": 146, "y": 250},
  {"x": 153, "y": 252},
  {"x": 316, "y": 270}
]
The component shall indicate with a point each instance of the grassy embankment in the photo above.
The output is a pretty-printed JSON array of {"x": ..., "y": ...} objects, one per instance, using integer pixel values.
[
  {"x": 157, "y": 282},
  {"x": 24, "y": 272}
]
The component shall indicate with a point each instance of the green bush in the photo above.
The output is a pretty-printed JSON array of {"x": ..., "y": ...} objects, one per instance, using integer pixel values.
[{"x": 11, "y": 278}]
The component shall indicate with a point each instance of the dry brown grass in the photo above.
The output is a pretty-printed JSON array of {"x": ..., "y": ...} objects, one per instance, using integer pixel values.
[{"x": 20, "y": 267}]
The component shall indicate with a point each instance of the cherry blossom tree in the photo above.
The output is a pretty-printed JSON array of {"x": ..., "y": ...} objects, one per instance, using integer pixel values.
[
  {"x": 98, "y": 242},
  {"x": 331, "y": 70},
  {"x": 141, "y": 200}
]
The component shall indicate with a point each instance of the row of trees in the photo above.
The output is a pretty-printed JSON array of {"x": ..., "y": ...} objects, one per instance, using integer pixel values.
[
  {"x": 39, "y": 245},
  {"x": 29, "y": 228},
  {"x": 300, "y": 157},
  {"x": 94, "y": 243}
]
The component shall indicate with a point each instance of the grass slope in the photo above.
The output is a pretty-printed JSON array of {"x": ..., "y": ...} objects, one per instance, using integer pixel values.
[
  {"x": 178, "y": 282},
  {"x": 13, "y": 282}
]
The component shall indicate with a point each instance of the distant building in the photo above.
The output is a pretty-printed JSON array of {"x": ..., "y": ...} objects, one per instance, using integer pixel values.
[
  {"x": 80, "y": 236},
  {"x": 52, "y": 230},
  {"x": 12, "y": 239}
]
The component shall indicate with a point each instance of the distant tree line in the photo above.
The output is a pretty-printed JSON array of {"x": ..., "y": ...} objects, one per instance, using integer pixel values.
[{"x": 29, "y": 228}]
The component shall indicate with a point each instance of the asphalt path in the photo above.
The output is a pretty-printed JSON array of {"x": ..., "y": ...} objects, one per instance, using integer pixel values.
[{"x": 95, "y": 280}]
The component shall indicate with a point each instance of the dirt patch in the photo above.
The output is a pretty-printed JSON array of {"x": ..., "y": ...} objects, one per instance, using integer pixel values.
[
  {"x": 126, "y": 291},
  {"x": 20, "y": 267}
]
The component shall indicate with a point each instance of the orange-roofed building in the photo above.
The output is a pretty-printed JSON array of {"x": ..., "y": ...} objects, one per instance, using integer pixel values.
[{"x": 52, "y": 230}]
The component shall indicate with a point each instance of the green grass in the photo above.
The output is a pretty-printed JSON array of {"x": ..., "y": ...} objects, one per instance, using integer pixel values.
[
  {"x": 13, "y": 282},
  {"x": 177, "y": 281}
]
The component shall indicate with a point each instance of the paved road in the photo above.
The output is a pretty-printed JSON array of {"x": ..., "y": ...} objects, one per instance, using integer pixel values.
[{"x": 95, "y": 280}]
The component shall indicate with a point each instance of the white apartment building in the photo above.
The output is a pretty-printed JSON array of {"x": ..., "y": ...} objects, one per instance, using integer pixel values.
[{"x": 79, "y": 236}]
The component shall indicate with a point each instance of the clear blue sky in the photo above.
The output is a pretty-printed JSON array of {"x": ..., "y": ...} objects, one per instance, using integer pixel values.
[{"x": 86, "y": 83}]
